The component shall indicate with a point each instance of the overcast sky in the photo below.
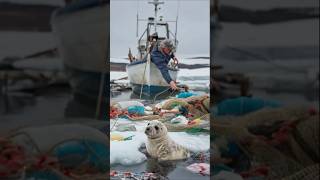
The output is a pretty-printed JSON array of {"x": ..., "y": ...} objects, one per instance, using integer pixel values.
[{"x": 193, "y": 24}]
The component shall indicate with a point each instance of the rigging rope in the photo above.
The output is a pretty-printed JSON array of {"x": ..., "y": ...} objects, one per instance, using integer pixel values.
[{"x": 144, "y": 72}]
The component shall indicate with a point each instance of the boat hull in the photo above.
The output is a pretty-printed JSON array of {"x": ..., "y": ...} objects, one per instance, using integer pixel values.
[
  {"x": 81, "y": 32},
  {"x": 82, "y": 35},
  {"x": 146, "y": 78}
]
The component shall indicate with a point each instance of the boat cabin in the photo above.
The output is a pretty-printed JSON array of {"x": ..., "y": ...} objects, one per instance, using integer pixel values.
[{"x": 146, "y": 40}]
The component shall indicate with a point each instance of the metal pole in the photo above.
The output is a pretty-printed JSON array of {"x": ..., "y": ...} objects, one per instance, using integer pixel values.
[{"x": 155, "y": 17}]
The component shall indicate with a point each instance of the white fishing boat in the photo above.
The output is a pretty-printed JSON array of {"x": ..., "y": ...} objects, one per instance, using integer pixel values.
[
  {"x": 81, "y": 31},
  {"x": 144, "y": 76}
]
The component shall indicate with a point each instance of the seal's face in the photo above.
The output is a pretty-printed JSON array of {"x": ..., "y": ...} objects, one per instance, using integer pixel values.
[{"x": 155, "y": 129}]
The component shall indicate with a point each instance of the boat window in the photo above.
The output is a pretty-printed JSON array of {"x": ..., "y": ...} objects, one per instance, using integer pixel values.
[{"x": 161, "y": 29}]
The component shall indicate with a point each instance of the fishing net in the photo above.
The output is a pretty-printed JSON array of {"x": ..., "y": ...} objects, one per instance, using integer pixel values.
[
  {"x": 73, "y": 147},
  {"x": 278, "y": 163},
  {"x": 194, "y": 99},
  {"x": 269, "y": 116},
  {"x": 260, "y": 152},
  {"x": 172, "y": 103},
  {"x": 12, "y": 159},
  {"x": 309, "y": 173},
  {"x": 202, "y": 103},
  {"x": 146, "y": 118},
  {"x": 237, "y": 126},
  {"x": 304, "y": 141}
]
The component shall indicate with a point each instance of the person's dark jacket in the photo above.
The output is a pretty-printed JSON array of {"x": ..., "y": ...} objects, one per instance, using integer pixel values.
[{"x": 161, "y": 60}]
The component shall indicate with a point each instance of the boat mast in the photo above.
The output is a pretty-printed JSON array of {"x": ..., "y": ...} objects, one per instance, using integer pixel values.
[
  {"x": 175, "y": 34},
  {"x": 155, "y": 3}
]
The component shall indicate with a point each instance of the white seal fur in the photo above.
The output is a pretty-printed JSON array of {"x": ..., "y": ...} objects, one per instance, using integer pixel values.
[{"x": 159, "y": 144}]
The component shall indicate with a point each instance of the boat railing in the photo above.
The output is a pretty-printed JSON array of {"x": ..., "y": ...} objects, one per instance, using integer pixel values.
[{"x": 140, "y": 39}]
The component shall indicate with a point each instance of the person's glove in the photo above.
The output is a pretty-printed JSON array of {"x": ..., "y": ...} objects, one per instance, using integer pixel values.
[
  {"x": 173, "y": 85},
  {"x": 175, "y": 61}
]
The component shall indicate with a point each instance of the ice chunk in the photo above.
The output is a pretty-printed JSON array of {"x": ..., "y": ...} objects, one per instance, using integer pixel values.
[{"x": 127, "y": 152}]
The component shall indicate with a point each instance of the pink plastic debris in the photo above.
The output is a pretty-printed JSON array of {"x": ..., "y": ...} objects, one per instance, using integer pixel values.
[{"x": 201, "y": 168}]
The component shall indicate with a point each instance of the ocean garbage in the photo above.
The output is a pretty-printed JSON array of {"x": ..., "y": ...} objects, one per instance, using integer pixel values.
[
  {"x": 270, "y": 142},
  {"x": 16, "y": 163},
  {"x": 201, "y": 168},
  {"x": 180, "y": 120},
  {"x": 194, "y": 122},
  {"x": 128, "y": 175},
  {"x": 12, "y": 158},
  {"x": 243, "y": 105},
  {"x": 72, "y": 151},
  {"x": 126, "y": 127},
  {"x": 123, "y": 105},
  {"x": 201, "y": 124},
  {"x": 148, "y": 108},
  {"x": 185, "y": 95},
  {"x": 176, "y": 113},
  {"x": 176, "y": 123},
  {"x": 131, "y": 110},
  {"x": 118, "y": 137},
  {"x": 86, "y": 153},
  {"x": 137, "y": 110},
  {"x": 194, "y": 106}
]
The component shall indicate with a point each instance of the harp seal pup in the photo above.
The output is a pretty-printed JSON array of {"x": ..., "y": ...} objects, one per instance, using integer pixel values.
[{"x": 159, "y": 144}]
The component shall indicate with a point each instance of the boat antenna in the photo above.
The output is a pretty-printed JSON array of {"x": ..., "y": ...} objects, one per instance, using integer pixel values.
[
  {"x": 175, "y": 34},
  {"x": 155, "y": 3},
  {"x": 137, "y": 30}
]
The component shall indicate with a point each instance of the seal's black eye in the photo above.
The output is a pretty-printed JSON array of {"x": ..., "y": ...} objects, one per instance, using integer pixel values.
[
  {"x": 156, "y": 127},
  {"x": 148, "y": 124}
]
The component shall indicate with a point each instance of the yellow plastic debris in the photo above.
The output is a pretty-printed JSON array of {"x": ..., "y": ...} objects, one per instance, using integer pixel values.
[
  {"x": 195, "y": 122},
  {"x": 116, "y": 137}
]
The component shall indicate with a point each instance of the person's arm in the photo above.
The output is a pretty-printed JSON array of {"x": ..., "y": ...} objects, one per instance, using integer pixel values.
[
  {"x": 165, "y": 74},
  {"x": 159, "y": 60}
]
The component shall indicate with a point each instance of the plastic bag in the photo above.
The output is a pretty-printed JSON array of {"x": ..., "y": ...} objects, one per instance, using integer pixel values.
[
  {"x": 243, "y": 105},
  {"x": 126, "y": 104},
  {"x": 138, "y": 110},
  {"x": 185, "y": 95},
  {"x": 201, "y": 168},
  {"x": 116, "y": 137},
  {"x": 126, "y": 127},
  {"x": 179, "y": 120},
  {"x": 85, "y": 152}
]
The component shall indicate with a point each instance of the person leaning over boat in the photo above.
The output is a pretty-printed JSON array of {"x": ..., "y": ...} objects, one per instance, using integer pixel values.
[{"x": 160, "y": 55}]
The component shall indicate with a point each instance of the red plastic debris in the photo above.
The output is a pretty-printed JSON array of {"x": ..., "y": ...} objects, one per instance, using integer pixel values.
[
  {"x": 189, "y": 116},
  {"x": 202, "y": 169},
  {"x": 113, "y": 173},
  {"x": 191, "y": 122},
  {"x": 114, "y": 113},
  {"x": 12, "y": 158},
  {"x": 127, "y": 174}
]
